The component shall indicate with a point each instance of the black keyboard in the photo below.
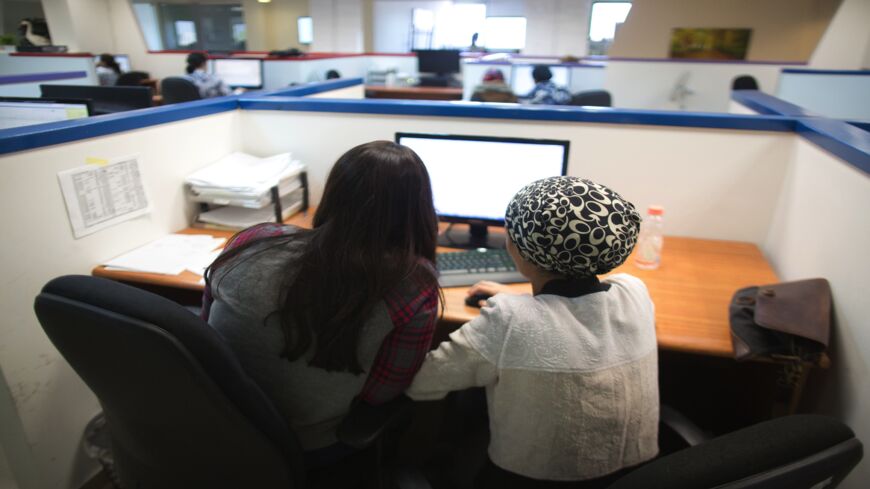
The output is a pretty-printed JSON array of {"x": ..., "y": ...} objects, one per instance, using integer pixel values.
[{"x": 460, "y": 268}]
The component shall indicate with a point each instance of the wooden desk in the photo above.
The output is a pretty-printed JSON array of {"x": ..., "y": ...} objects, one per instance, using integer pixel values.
[
  {"x": 691, "y": 290},
  {"x": 414, "y": 93}
]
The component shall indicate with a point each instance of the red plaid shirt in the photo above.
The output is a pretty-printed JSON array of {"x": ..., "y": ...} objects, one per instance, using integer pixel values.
[{"x": 402, "y": 352}]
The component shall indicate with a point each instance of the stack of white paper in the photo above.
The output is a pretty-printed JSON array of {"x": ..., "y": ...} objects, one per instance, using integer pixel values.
[
  {"x": 171, "y": 255},
  {"x": 243, "y": 177}
]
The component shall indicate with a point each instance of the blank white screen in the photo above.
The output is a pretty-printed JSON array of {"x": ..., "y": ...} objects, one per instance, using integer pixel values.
[
  {"x": 239, "y": 72},
  {"x": 522, "y": 82},
  {"x": 477, "y": 179},
  {"x": 15, "y": 114}
]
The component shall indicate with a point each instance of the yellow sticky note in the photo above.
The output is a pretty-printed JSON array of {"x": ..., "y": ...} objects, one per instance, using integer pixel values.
[{"x": 90, "y": 160}]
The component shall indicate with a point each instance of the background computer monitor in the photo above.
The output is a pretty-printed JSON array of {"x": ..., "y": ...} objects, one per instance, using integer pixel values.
[
  {"x": 122, "y": 59},
  {"x": 475, "y": 177},
  {"x": 21, "y": 111},
  {"x": 440, "y": 61},
  {"x": 243, "y": 73},
  {"x": 522, "y": 82},
  {"x": 104, "y": 100}
]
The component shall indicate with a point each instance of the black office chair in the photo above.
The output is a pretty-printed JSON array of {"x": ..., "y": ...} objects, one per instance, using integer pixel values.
[
  {"x": 744, "y": 82},
  {"x": 792, "y": 452},
  {"x": 132, "y": 79},
  {"x": 176, "y": 89},
  {"x": 595, "y": 98},
  {"x": 180, "y": 410}
]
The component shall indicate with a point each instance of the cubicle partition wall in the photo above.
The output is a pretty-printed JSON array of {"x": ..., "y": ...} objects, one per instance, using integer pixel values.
[
  {"x": 582, "y": 76},
  {"x": 839, "y": 94},
  {"x": 798, "y": 187},
  {"x": 22, "y": 73}
]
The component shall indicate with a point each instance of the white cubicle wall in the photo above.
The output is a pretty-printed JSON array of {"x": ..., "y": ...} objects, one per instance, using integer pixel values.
[
  {"x": 582, "y": 76},
  {"x": 279, "y": 73},
  {"x": 44, "y": 65},
  {"x": 837, "y": 94},
  {"x": 803, "y": 206}
]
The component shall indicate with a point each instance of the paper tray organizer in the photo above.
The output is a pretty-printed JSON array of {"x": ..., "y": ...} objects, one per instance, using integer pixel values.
[{"x": 234, "y": 212}]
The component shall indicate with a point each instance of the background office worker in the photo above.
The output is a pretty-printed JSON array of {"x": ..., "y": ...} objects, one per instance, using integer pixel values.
[
  {"x": 108, "y": 70},
  {"x": 209, "y": 85},
  {"x": 546, "y": 92},
  {"x": 346, "y": 309}
]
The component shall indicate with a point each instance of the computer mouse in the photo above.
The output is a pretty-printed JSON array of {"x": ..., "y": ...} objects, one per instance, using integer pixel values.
[{"x": 474, "y": 299}]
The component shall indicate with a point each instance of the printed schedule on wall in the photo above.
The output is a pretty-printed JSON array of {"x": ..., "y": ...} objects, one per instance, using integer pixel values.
[{"x": 99, "y": 196}]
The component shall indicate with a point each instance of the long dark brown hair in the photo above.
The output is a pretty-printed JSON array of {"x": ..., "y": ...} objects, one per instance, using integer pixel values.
[{"x": 375, "y": 227}]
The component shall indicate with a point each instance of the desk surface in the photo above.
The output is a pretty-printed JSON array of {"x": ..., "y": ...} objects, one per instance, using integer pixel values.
[
  {"x": 691, "y": 290},
  {"x": 414, "y": 93}
]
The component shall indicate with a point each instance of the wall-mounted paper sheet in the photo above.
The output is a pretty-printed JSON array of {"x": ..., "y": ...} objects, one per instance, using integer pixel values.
[{"x": 101, "y": 196}]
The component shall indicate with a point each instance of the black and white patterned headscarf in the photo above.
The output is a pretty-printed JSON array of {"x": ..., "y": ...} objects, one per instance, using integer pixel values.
[{"x": 572, "y": 226}]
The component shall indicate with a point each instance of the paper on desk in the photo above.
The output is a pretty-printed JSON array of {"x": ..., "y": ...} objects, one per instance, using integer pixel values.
[
  {"x": 200, "y": 263},
  {"x": 101, "y": 196},
  {"x": 169, "y": 255},
  {"x": 241, "y": 172}
]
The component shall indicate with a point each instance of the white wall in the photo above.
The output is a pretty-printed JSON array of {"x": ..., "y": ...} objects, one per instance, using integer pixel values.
[
  {"x": 51, "y": 404},
  {"x": 82, "y": 25},
  {"x": 734, "y": 174},
  {"x": 649, "y": 84},
  {"x": 836, "y": 96},
  {"x": 845, "y": 45},
  {"x": 338, "y": 25},
  {"x": 820, "y": 230}
]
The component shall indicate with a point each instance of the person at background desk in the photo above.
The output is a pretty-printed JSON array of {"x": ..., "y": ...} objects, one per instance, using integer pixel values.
[
  {"x": 493, "y": 88},
  {"x": 209, "y": 85},
  {"x": 108, "y": 70},
  {"x": 310, "y": 312},
  {"x": 546, "y": 92},
  {"x": 571, "y": 371}
]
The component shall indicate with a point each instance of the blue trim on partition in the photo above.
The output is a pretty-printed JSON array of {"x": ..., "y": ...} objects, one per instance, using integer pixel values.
[
  {"x": 840, "y": 139},
  {"x": 39, "y": 135},
  {"x": 767, "y": 104},
  {"x": 524, "y": 112},
  {"x": 807, "y": 71},
  {"x": 37, "y": 77},
  {"x": 313, "y": 88},
  {"x": 865, "y": 125}
]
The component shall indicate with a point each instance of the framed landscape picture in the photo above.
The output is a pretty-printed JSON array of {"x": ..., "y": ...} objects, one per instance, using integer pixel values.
[{"x": 710, "y": 43}]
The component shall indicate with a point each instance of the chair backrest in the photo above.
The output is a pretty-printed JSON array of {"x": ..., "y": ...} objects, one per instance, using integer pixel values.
[
  {"x": 131, "y": 79},
  {"x": 181, "y": 411},
  {"x": 744, "y": 82},
  {"x": 177, "y": 89},
  {"x": 792, "y": 452},
  {"x": 596, "y": 98}
]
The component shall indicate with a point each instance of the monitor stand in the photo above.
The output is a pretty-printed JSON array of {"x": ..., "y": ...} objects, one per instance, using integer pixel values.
[{"x": 471, "y": 236}]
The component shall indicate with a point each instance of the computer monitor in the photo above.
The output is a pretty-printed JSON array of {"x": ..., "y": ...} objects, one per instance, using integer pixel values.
[
  {"x": 104, "y": 100},
  {"x": 239, "y": 73},
  {"x": 22, "y": 111},
  {"x": 439, "y": 61},
  {"x": 475, "y": 177},
  {"x": 522, "y": 82},
  {"x": 122, "y": 59}
]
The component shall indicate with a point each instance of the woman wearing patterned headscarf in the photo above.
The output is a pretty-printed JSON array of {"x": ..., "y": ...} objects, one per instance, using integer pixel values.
[{"x": 571, "y": 370}]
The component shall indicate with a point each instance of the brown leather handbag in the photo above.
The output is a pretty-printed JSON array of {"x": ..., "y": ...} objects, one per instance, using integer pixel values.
[{"x": 785, "y": 320}]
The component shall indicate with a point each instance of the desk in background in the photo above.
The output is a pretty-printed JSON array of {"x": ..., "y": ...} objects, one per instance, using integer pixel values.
[{"x": 414, "y": 93}]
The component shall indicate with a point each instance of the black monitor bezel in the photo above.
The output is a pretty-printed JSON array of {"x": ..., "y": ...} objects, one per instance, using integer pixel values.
[
  {"x": 566, "y": 144},
  {"x": 260, "y": 63},
  {"x": 77, "y": 101},
  {"x": 458, "y": 58}
]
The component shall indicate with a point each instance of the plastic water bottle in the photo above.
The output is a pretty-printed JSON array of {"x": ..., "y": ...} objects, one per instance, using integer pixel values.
[{"x": 649, "y": 244}]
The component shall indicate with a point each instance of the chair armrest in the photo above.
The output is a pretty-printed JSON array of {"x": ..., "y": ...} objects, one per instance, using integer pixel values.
[
  {"x": 682, "y": 426},
  {"x": 364, "y": 424}
]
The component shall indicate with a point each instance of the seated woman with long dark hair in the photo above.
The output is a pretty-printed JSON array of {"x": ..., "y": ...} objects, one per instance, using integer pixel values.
[{"x": 345, "y": 310}]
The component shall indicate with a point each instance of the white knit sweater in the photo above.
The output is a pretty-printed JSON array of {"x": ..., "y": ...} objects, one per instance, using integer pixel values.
[{"x": 571, "y": 383}]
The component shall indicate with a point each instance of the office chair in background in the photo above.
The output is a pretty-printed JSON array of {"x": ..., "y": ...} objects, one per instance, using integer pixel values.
[
  {"x": 177, "y": 89},
  {"x": 132, "y": 79},
  {"x": 180, "y": 410},
  {"x": 595, "y": 98},
  {"x": 744, "y": 82}
]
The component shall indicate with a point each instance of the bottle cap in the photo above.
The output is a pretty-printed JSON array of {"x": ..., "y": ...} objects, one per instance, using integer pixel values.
[{"x": 655, "y": 210}]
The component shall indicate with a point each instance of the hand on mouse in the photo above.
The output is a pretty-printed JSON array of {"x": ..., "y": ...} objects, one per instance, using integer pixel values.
[{"x": 486, "y": 288}]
